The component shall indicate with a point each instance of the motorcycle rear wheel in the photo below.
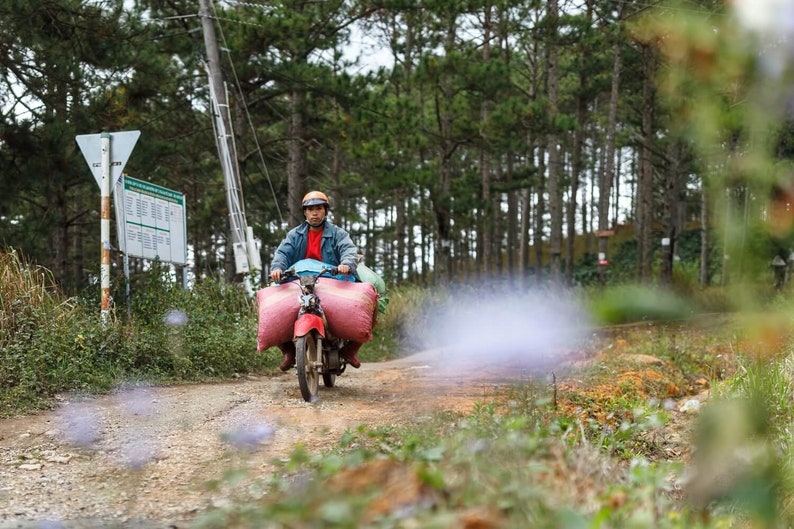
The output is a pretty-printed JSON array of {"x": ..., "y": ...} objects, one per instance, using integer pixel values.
[{"x": 307, "y": 357}]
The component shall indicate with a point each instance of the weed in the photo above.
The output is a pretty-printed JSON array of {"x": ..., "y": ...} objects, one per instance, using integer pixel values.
[
  {"x": 513, "y": 464},
  {"x": 50, "y": 345},
  {"x": 590, "y": 455}
]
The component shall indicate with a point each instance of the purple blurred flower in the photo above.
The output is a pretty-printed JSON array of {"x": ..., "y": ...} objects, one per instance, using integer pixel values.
[
  {"x": 50, "y": 524},
  {"x": 137, "y": 401},
  {"x": 80, "y": 423},
  {"x": 136, "y": 453},
  {"x": 176, "y": 318},
  {"x": 249, "y": 437}
]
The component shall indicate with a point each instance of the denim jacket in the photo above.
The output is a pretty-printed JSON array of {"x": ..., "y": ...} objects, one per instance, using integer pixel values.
[{"x": 336, "y": 247}]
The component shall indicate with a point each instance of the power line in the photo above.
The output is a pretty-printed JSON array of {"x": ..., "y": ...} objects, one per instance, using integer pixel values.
[
  {"x": 250, "y": 121},
  {"x": 245, "y": 4}
]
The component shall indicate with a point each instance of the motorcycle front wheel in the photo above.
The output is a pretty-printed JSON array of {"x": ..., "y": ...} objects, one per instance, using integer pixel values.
[{"x": 307, "y": 358}]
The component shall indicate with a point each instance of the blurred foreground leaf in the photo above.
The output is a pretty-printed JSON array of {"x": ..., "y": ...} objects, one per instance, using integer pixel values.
[{"x": 637, "y": 303}]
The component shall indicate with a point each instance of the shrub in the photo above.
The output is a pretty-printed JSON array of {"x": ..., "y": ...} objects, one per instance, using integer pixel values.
[{"x": 49, "y": 344}]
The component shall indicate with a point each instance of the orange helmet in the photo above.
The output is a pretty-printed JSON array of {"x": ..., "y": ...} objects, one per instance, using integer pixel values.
[{"x": 314, "y": 198}]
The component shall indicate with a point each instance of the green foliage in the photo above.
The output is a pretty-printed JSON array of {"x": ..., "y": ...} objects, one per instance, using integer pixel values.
[
  {"x": 768, "y": 390},
  {"x": 519, "y": 462},
  {"x": 27, "y": 296},
  {"x": 85, "y": 50},
  {"x": 50, "y": 345},
  {"x": 743, "y": 445},
  {"x": 208, "y": 332},
  {"x": 586, "y": 272},
  {"x": 510, "y": 463},
  {"x": 623, "y": 263},
  {"x": 396, "y": 330}
]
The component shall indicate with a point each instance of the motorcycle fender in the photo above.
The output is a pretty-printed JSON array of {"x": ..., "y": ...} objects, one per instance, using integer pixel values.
[{"x": 307, "y": 323}]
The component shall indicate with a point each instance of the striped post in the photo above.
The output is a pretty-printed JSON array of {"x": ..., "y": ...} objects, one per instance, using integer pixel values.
[{"x": 105, "y": 226}]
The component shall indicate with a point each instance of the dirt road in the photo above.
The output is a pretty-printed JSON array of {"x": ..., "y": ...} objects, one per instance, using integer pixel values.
[{"x": 144, "y": 456}]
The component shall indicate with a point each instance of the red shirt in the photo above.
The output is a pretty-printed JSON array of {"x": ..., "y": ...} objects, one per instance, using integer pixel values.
[{"x": 313, "y": 250}]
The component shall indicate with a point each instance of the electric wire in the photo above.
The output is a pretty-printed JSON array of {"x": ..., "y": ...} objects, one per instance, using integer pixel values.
[{"x": 248, "y": 117}]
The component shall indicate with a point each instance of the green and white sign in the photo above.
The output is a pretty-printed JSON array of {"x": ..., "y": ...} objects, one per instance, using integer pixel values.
[{"x": 151, "y": 221}]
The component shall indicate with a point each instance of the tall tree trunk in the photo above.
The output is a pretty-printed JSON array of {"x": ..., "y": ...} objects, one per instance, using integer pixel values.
[
  {"x": 335, "y": 195},
  {"x": 411, "y": 267},
  {"x": 616, "y": 186},
  {"x": 498, "y": 225},
  {"x": 704, "y": 235},
  {"x": 371, "y": 242},
  {"x": 443, "y": 192},
  {"x": 428, "y": 243},
  {"x": 576, "y": 169},
  {"x": 525, "y": 222},
  {"x": 404, "y": 229},
  {"x": 555, "y": 171},
  {"x": 486, "y": 224},
  {"x": 60, "y": 244},
  {"x": 401, "y": 232},
  {"x": 607, "y": 168},
  {"x": 442, "y": 255},
  {"x": 672, "y": 200},
  {"x": 540, "y": 211},
  {"x": 645, "y": 208},
  {"x": 512, "y": 217},
  {"x": 587, "y": 204},
  {"x": 486, "y": 228}
]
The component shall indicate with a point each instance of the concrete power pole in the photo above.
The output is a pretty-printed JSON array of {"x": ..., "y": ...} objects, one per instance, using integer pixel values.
[
  {"x": 246, "y": 255},
  {"x": 214, "y": 60}
]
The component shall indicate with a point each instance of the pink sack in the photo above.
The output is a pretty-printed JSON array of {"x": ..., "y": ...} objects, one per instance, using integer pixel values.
[
  {"x": 278, "y": 308},
  {"x": 350, "y": 309}
]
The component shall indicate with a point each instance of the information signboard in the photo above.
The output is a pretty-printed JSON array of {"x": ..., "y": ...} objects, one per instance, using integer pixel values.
[{"x": 151, "y": 221}]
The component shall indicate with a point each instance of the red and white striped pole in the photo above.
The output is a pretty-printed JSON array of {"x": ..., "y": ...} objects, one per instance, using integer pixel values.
[{"x": 104, "y": 270}]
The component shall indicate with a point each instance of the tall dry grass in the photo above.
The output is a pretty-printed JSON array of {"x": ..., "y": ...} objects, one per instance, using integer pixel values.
[{"x": 25, "y": 289}]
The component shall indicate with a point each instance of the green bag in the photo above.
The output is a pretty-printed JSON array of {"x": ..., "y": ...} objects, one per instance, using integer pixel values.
[{"x": 368, "y": 275}]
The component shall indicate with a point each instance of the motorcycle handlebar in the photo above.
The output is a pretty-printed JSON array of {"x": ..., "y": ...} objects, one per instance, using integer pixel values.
[
  {"x": 290, "y": 273},
  {"x": 330, "y": 271}
]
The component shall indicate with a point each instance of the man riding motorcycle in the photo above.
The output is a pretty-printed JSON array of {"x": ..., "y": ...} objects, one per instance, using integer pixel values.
[{"x": 316, "y": 238}]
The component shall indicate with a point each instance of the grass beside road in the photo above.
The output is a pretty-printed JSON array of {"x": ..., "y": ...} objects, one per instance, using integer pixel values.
[
  {"x": 614, "y": 441},
  {"x": 605, "y": 445}
]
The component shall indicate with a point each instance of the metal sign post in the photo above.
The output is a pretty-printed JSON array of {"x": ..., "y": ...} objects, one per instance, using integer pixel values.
[
  {"x": 105, "y": 169},
  {"x": 104, "y": 270}
]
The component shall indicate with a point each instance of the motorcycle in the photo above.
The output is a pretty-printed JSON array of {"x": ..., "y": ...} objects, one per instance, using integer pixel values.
[{"x": 317, "y": 352}]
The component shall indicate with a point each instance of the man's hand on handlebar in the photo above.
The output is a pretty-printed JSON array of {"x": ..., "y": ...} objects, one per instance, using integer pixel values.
[
  {"x": 275, "y": 274},
  {"x": 343, "y": 269}
]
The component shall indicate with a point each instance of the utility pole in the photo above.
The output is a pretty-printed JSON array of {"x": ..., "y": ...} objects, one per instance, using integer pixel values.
[
  {"x": 246, "y": 255},
  {"x": 214, "y": 61}
]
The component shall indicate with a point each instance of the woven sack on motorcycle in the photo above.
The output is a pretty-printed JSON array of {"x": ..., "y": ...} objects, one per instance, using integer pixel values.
[
  {"x": 350, "y": 308},
  {"x": 278, "y": 307}
]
